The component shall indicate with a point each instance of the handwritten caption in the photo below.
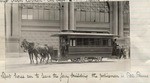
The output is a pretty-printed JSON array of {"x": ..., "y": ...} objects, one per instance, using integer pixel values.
[
  {"x": 61, "y": 76},
  {"x": 44, "y": 1}
]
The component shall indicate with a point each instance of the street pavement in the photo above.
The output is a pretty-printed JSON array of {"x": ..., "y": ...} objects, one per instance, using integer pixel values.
[{"x": 19, "y": 62}]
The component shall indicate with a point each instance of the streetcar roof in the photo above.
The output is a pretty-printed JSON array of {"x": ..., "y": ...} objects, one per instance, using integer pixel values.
[
  {"x": 83, "y": 31},
  {"x": 84, "y": 34}
]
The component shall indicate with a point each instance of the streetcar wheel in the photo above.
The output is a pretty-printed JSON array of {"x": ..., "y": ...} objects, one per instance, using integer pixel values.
[
  {"x": 82, "y": 59},
  {"x": 96, "y": 60},
  {"x": 100, "y": 58},
  {"x": 74, "y": 60}
]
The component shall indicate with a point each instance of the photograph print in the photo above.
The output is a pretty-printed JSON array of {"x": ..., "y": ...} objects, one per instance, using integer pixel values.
[{"x": 68, "y": 36}]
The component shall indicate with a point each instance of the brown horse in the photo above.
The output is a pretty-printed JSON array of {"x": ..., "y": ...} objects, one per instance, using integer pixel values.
[
  {"x": 43, "y": 50},
  {"x": 28, "y": 46},
  {"x": 35, "y": 49},
  {"x": 50, "y": 51}
]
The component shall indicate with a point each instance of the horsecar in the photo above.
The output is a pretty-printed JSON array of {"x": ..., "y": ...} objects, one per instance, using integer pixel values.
[{"x": 81, "y": 46}]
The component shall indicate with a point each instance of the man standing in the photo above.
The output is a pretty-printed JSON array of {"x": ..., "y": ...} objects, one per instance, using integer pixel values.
[{"x": 114, "y": 44}]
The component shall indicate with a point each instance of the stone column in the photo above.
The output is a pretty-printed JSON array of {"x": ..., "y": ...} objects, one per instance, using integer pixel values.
[
  {"x": 61, "y": 17},
  {"x": 121, "y": 33},
  {"x": 75, "y": 18},
  {"x": 65, "y": 15},
  {"x": 72, "y": 16},
  {"x": 16, "y": 28},
  {"x": 19, "y": 20},
  {"x": 15, "y": 20},
  {"x": 8, "y": 20},
  {"x": 111, "y": 18},
  {"x": 115, "y": 18}
]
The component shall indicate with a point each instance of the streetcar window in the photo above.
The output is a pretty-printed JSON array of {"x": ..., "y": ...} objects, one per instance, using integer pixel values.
[
  {"x": 91, "y": 42},
  {"x": 100, "y": 42},
  {"x": 105, "y": 42},
  {"x": 86, "y": 41},
  {"x": 97, "y": 42},
  {"x": 72, "y": 42},
  {"x": 79, "y": 41},
  {"x": 109, "y": 42}
]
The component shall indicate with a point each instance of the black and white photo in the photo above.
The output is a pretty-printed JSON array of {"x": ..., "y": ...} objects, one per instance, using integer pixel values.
[{"x": 68, "y": 36}]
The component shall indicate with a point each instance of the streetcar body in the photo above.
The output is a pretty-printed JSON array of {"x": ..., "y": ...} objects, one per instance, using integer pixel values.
[{"x": 81, "y": 46}]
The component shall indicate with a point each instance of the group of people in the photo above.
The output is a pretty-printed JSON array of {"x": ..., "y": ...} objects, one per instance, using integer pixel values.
[{"x": 118, "y": 51}]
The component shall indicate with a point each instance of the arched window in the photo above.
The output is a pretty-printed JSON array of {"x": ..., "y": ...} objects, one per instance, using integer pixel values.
[
  {"x": 92, "y": 11},
  {"x": 40, "y": 11}
]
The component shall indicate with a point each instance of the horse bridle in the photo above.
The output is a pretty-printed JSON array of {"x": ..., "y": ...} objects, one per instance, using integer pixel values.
[{"x": 25, "y": 45}]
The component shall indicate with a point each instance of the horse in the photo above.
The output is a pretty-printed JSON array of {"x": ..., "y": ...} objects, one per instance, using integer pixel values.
[
  {"x": 50, "y": 51},
  {"x": 35, "y": 49},
  {"x": 28, "y": 46},
  {"x": 43, "y": 50}
]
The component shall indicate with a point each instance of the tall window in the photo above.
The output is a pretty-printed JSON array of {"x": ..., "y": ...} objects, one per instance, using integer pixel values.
[
  {"x": 126, "y": 13},
  {"x": 92, "y": 11},
  {"x": 41, "y": 11}
]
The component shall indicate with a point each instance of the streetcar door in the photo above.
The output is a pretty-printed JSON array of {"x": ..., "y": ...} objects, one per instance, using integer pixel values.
[{"x": 64, "y": 46}]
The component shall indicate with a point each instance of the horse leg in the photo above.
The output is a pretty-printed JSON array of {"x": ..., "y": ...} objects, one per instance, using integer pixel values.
[
  {"x": 36, "y": 57},
  {"x": 41, "y": 60},
  {"x": 120, "y": 55},
  {"x": 50, "y": 57},
  {"x": 31, "y": 55},
  {"x": 44, "y": 57},
  {"x": 47, "y": 58},
  {"x": 30, "y": 58}
]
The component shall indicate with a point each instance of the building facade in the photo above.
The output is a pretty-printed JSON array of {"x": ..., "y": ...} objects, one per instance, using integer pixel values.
[{"x": 36, "y": 22}]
